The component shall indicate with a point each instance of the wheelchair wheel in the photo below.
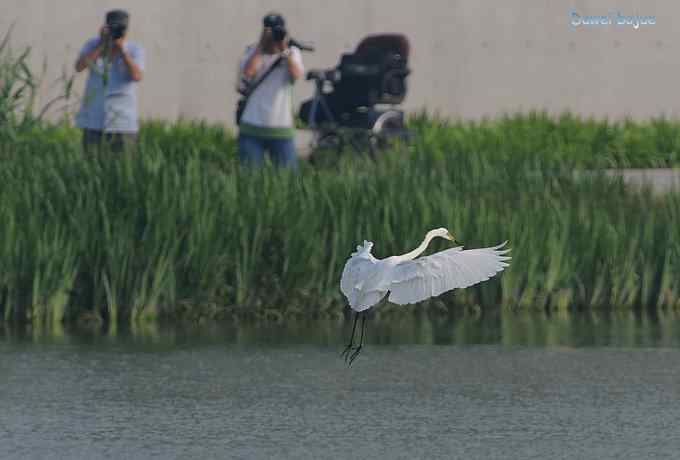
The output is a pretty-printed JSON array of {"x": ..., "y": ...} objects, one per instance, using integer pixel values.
[{"x": 386, "y": 132}]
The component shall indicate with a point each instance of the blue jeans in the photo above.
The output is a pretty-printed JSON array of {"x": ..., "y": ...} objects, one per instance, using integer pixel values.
[{"x": 251, "y": 150}]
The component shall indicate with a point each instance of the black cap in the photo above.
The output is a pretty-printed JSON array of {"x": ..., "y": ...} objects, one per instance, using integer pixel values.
[
  {"x": 273, "y": 20},
  {"x": 117, "y": 17}
]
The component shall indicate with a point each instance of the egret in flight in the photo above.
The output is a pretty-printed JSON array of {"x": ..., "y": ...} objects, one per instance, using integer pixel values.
[{"x": 408, "y": 279}]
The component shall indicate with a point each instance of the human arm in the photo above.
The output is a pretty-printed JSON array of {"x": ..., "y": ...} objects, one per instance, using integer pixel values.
[
  {"x": 294, "y": 62},
  {"x": 254, "y": 61},
  {"x": 134, "y": 60},
  {"x": 293, "y": 58},
  {"x": 91, "y": 50}
]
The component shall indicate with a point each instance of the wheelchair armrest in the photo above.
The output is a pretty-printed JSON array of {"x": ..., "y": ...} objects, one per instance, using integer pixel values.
[{"x": 331, "y": 75}]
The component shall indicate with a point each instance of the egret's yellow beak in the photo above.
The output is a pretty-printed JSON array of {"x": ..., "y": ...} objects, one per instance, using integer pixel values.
[{"x": 450, "y": 236}]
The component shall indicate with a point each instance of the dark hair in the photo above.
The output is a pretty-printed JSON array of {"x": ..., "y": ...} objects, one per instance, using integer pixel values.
[
  {"x": 273, "y": 20},
  {"x": 121, "y": 17}
]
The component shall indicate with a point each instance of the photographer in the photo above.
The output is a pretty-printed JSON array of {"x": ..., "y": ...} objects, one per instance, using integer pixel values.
[
  {"x": 108, "y": 114},
  {"x": 267, "y": 72}
]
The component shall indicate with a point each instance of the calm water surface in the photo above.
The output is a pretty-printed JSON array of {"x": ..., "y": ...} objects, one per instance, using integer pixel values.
[{"x": 498, "y": 387}]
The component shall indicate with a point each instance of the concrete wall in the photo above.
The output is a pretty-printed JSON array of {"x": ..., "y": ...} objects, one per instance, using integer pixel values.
[{"x": 471, "y": 58}]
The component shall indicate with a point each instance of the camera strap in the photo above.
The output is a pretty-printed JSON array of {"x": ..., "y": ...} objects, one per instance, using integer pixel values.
[{"x": 251, "y": 88}]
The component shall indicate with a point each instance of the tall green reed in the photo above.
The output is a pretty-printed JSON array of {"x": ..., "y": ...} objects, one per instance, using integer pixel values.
[
  {"x": 19, "y": 92},
  {"x": 180, "y": 230}
]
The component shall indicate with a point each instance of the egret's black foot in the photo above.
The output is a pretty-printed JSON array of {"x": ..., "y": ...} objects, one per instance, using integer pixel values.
[
  {"x": 354, "y": 355},
  {"x": 345, "y": 353}
]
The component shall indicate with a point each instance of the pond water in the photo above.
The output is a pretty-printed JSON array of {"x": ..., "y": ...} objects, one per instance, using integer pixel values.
[{"x": 500, "y": 386}]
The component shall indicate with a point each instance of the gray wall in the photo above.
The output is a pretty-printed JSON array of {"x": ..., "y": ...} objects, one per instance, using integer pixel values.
[{"x": 470, "y": 58}]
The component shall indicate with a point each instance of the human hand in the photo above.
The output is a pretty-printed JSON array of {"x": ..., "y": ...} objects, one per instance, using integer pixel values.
[
  {"x": 104, "y": 35},
  {"x": 283, "y": 45},
  {"x": 118, "y": 44}
]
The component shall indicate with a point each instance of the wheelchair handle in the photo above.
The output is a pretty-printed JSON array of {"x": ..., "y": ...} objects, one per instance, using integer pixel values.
[{"x": 331, "y": 75}]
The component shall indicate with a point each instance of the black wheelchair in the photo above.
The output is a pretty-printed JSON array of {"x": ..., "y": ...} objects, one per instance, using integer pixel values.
[{"x": 354, "y": 104}]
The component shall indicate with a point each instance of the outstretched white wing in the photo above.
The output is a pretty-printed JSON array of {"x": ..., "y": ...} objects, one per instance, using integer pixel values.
[
  {"x": 429, "y": 276},
  {"x": 359, "y": 269}
]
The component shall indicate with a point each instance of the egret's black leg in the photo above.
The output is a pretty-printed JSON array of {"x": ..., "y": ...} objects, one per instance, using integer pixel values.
[
  {"x": 357, "y": 350},
  {"x": 345, "y": 352}
]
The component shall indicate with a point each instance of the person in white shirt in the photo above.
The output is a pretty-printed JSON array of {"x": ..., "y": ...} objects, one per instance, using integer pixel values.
[{"x": 267, "y": 120}]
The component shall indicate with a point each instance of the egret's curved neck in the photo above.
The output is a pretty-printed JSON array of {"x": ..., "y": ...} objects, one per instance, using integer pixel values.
[{"x": 417, "y": 251}]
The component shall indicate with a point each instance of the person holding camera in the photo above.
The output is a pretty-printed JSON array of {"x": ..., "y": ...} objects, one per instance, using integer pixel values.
[
  {"x": 108, "y": 114},
  {"x": 267, "y": 72}
]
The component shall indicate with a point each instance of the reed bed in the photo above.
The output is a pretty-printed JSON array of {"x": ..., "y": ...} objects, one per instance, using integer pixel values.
[
  {"x": 179, "y": 230},
  {"x": 567, "y": 139}
]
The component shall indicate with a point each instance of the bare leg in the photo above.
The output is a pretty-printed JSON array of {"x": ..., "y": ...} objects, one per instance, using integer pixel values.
[
  {"x": 347, "y": 349},
  {"x": 361, "y": 341}
]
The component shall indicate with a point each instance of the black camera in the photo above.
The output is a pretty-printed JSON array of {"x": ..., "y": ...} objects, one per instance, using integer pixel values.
[
  {"x": 117, "y": 30},
  {"x": 278, "y": 27},
  {"x": 279, "y": 33}
]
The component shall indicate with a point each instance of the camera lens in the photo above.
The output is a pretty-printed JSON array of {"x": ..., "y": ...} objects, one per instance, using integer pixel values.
[
  {"x": 278, "y": 33},
  {"x": 117, "y": 30}
]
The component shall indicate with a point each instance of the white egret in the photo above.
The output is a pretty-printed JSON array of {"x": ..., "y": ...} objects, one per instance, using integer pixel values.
[{"x": 408, "y": 279}]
